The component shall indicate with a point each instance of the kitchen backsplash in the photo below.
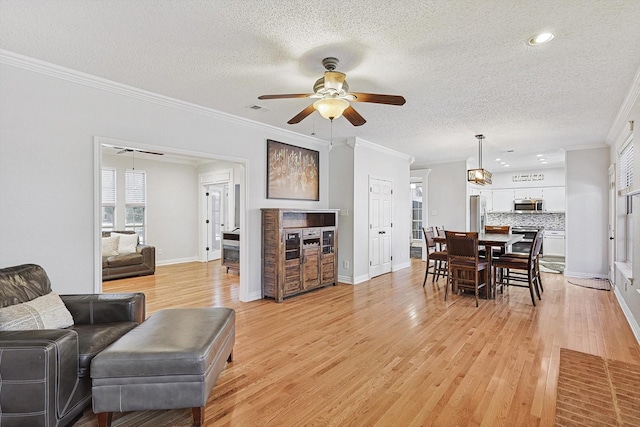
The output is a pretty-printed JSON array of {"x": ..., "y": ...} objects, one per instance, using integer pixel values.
[{"x": 550, "y": 221}]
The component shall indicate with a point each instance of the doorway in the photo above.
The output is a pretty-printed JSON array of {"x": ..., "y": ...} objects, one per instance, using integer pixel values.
[{"x": 172, "y": 157}]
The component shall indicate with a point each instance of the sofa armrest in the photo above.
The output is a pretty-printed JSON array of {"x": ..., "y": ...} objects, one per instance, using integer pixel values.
[
  {"x": 148, "y": 256},
  {"x": 43, "y": 366},
  {"x": 106, "y": 308}
]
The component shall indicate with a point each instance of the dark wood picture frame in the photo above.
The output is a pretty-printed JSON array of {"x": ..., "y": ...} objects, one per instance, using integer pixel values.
[{"x": 292, "y": 172}]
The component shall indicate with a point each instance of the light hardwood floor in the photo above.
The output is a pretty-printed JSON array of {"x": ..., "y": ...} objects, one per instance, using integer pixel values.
[{"x": 387, "y": 352}]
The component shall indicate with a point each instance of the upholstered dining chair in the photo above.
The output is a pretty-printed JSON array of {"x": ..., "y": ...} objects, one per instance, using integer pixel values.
[
  {"x": 466, "y": 270},
  {"x": 439, "y": 258},
  {"x": 519, "y": 270}
]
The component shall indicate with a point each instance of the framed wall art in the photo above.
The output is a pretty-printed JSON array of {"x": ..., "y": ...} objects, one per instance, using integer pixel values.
[{"x": 292, "y": 172}]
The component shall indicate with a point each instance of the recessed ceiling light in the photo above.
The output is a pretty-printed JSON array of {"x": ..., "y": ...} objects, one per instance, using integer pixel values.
[
  {"x": 506, "y": 166},
  {"x": 503, "y": 163},
  {"x": 544, "y": 163},
  {"x": 539, "y": 155},
  {"x": 542, "y": 159},
  {"x": 497, "y": 160},
  {"x": 541, "y": 39}
]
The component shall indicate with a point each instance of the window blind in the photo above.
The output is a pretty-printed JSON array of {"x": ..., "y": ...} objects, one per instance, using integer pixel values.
[
  {"x": 108, "y": 186},
  {"x": 135, "y": 191},
  {"x": 625, "y": 167}
]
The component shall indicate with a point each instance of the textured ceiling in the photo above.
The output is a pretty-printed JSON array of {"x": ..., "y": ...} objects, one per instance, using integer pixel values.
[{"x": 464, "y": 67}]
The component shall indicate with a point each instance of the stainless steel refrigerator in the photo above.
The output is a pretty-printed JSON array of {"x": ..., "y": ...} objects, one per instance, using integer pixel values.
[{"x": 478, "y": 213}]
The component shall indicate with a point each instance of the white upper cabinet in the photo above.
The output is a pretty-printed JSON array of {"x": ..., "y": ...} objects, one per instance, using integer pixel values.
[
  {"x": 554, "y": 199},
  {"x": 528, "y": 193},
  {"x": 488, "y": 197},
  {"x": 503, "y": 200}
]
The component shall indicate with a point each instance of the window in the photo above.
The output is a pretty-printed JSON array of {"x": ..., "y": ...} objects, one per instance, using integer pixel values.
[
  {"x": 135, "y": 200},
  {"x": 416, "y": 211},
  {"x": 108, "y": 199},
  {"x": 625, "y": 183}
]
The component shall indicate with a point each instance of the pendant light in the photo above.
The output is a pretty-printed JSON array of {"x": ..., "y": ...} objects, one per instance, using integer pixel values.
[{"x": 479, "y": 176}]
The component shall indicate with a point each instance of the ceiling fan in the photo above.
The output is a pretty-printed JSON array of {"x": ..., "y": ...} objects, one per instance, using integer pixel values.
[
  {"x": 332, "y": 92},
  {"x": 130, "y": 150}
]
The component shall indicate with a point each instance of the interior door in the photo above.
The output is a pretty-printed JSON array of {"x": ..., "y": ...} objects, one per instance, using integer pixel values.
[
  {"x": 612, "y": 218},
  {"x": 380, "y": 227},
  {"x": 214, "y": 221}
]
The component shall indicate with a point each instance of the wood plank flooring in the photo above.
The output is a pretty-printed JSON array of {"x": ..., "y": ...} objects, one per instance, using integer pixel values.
[{"x": 387, "y": 352}]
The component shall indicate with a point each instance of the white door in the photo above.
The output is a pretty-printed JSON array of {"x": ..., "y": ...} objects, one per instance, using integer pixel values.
[
  {"x": 612, "y": 218},
  {"x": 380, "y": 198},
  {"x": 214, "y": 221}
]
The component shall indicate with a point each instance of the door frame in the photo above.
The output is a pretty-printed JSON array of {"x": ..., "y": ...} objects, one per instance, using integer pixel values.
[
  {"x": 219, "y": 177},
  {"x": 99, "y": 141},
  {"x": 611, "y": 232}
]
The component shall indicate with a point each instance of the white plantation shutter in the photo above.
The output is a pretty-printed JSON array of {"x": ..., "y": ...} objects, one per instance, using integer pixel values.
[
  {"x": 108, "y": 187},
  {"x": 135, "y": 191},
  {"x": 625, "y": 167}
]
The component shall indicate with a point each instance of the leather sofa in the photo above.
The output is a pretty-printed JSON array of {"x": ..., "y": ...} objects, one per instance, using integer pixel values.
[
  {"x": 45, "y": 377},
  {"x": 141, "y": 263}
]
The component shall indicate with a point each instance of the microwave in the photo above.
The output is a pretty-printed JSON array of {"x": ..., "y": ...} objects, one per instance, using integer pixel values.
[{"x": 527, "y": 205}]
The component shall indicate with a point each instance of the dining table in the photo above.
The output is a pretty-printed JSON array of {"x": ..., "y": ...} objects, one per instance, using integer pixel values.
[{"x": 490, "y": 241}]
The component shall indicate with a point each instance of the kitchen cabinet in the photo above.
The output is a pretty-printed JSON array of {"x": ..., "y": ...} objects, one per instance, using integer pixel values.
[
  {"x": 488, "y": 198},
  {"x": 554, "y": 199},
  {"x": 528, "y": 193},
  {"x": 502, "y": 200},
  {"x": 299, "y": 251},
  {"x": 553, "y": 243}
]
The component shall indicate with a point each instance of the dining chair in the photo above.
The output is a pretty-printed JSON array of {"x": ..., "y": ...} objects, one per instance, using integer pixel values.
[
  {"x": 496, "y": 229},
  {"x": 523, "y": 275},
  {"x": 439, "y": 231},
  {"x": 439, "y": 258},
  {"x": 466, "y": 270},
  {"x": 520, "y": 271}
]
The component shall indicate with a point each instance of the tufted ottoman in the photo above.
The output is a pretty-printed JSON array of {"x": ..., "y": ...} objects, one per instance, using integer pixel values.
[{"x": 171, "y": 360}]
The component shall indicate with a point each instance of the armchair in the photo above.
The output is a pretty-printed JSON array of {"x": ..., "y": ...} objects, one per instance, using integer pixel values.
[{"x": 44, "y": 373}]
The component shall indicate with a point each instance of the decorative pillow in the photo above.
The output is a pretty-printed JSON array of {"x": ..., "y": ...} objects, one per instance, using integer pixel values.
[
  {"x": 127, "y": 244},
  {"x": 110, "y": 245},
  {"x": 45, "y": 312}
]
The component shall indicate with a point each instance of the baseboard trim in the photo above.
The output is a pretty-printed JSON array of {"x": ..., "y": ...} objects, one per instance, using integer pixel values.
[
  {"x": 345, "y": 279},
  {"x": 635, "y": 328},
  {"x": 401, "y": 266},
  {"x": 177, "y": 261},
  {"x": 585, "y": 275}
]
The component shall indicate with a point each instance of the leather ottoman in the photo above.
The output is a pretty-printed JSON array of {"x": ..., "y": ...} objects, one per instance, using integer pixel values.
[{"x": 172, "y": 360}]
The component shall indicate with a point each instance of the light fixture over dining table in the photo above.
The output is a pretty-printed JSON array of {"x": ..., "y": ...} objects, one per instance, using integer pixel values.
[{"x": 479, "y": 176}]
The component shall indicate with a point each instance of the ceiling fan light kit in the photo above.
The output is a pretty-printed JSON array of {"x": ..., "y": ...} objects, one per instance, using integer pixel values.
[
  {"x": 332, "y": 92},
  {"x": 479, "y": 176},
  {"x": 331, "y": 108}
]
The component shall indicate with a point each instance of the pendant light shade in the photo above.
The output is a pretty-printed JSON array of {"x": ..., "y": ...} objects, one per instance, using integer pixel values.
[{"x": 479, "y": 176}]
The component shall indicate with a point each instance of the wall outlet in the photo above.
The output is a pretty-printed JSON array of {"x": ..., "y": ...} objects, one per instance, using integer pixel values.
[
  {"x": 160, "y": 251},
  {"x": 434, "y": 212},
  {"x": 345, "y": 264},
  {"x": 344, "y": 212}
]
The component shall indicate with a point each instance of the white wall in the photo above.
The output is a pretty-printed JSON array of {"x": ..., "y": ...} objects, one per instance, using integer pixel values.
[
  {"x": 587, "y": 212},
  {"x": 553, "y": 177},
  {"x": 341, "y": 197},
  {"x": 370, "y": 161},
  {"x": 172, "y": 204},
  {"x": 49, "y": 117},
  {"x": 447, "y": 194}
]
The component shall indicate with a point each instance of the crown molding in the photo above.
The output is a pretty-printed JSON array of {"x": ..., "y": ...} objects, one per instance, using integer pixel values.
[
  {"x": 56, "y": 71},
  {"x": 359, "y": 142},
  {"x": 620, "y": 123}
]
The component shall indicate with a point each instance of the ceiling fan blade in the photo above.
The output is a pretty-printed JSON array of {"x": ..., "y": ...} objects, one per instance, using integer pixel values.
[
  {"x": 287, "y": 95},
  {"x": 334, "y": 80},
  {"x": 353, "y": 116},
  {"x": 302, "y": 115},
  {"x": 379, "y": 99}
]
